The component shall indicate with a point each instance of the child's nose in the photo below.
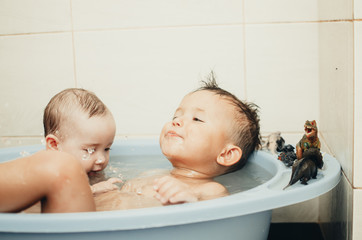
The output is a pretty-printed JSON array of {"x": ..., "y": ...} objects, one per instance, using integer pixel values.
[{"x": 177, "y": 122}]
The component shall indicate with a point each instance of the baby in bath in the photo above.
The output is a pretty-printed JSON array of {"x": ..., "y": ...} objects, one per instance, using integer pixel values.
[
  {"x": 211, "y": 133},
  {"x": 79, "y": 131},
  {"x": 76, "y": 121}
]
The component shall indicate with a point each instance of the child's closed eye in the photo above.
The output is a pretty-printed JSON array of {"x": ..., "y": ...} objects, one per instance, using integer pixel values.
[{"x": 197, "y": 119}]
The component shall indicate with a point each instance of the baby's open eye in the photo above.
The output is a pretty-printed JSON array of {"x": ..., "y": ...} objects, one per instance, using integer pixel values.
[{"x": 107, "y": 149}]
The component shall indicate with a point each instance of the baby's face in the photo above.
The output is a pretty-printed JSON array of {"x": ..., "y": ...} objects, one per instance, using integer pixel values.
[
  {"x": 89, "y": 139},
  {"x": 198, "y": 132}
]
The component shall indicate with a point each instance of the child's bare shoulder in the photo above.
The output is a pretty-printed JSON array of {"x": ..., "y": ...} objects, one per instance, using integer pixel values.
[{"x": 212, "y": 189}]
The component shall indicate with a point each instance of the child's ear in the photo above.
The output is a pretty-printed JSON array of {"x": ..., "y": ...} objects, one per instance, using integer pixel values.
[
  {"x": 230, "y": 155},
  {"x": 51, "y": 142}
]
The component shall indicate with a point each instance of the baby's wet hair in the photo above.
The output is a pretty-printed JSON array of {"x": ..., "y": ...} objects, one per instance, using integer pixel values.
[
  {"x": 246, "y": 128},
  {"x": 65, "y": 102}
]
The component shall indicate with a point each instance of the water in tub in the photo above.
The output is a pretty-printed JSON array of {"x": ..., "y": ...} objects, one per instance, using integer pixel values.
[{"x": 131, "y": 167}]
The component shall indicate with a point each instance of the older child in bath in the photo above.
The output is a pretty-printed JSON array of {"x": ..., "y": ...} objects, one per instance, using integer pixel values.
[
  {"x": 79, "y": 130},
  {"x": 211, "y": 133}
]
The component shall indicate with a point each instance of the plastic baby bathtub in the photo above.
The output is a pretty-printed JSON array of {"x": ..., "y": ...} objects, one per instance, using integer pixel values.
[{"x": 244, "y": 215}]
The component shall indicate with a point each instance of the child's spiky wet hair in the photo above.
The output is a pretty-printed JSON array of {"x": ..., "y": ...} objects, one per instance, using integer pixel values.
[{"x": 246, "y": 129}]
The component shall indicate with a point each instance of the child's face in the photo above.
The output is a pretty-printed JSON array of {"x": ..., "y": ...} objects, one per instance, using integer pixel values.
[
  {"x": 89, "y": 139},
  {"x": 198, "y": 132}
]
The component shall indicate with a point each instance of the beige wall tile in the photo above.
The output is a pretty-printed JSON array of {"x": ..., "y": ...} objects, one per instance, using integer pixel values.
[
  {"x": 357, "y": 9},
  {"x": 336, "y": 90},
  {"x": 142, "y": 75},
  {"x": 128, "y": 14},
  {"x": 263, "y": 11},
  {"x": 32, "y": 69},
  {"x": 17, "y": 16},
  {"x": 335, "y": 9},
  {"x": 358, "y": 106},
  {"x": 357, "y": 214},
  {"x": 6, "y": 142},
  {"x": 282, "y": 74}
]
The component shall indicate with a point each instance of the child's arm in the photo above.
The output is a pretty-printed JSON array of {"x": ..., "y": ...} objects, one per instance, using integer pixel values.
[
  {"x": 172, "y": 190},
  {"x": 105, "y": 186},
  {"x": 53, "y": 177}
]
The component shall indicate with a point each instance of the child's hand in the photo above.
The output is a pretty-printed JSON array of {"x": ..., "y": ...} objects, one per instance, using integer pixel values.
[
  {"x": 105, "y": 186},
  {"x": 172, "y": 190}
]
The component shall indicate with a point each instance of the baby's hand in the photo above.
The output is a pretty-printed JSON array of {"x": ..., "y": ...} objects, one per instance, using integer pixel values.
[
  {"x": 172, "y": 190},
  {"x": 105, "y": 186}
]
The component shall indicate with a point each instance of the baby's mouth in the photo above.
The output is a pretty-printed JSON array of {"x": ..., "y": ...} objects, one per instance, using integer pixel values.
[{"x": 93, "y": 173}]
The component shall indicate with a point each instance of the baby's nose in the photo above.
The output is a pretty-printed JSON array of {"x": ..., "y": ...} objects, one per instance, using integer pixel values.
[{"x": 100, "y": 161}]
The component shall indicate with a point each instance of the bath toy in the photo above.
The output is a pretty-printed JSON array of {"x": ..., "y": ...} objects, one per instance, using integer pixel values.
[
  {"x": 287, "y": 155},
  {"x": 274, "y": 142},
  {"x": 307, "y": 167},
  {"x": 309, "y": 139}
]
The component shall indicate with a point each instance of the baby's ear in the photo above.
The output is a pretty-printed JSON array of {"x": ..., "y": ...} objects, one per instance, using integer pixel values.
[
  {"x": 51, "y": 142},
  {"x": 230, "y": 155}
]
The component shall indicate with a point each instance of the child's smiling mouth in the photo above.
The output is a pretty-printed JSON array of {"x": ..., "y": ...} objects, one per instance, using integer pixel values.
[{"x": 173, "y": 134}]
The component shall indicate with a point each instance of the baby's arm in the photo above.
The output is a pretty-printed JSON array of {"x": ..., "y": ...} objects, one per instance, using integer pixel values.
[
  {"x": 172, "y": 190},
  {"x": 105, "y": 186}
]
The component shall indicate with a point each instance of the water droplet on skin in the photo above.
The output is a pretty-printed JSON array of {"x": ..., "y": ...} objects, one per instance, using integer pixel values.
[
  {"x": 86, "y": 156},
  {"x": 99, "y": 161},
  {"x": 24, "y": 153},
  {"x": 91, "y": 150}
]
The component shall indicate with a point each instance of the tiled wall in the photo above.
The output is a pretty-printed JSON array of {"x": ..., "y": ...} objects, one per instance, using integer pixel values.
[
  {"x": 142, "y": 57},
  {"x": 340, "y": 115},
  {"x": 357, "y": 158}
]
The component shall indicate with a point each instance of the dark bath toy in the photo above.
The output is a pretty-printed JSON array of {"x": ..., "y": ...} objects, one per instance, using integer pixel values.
[
  {"x": 287, "y": 155},
  {"x": 307, "y": 167}
]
